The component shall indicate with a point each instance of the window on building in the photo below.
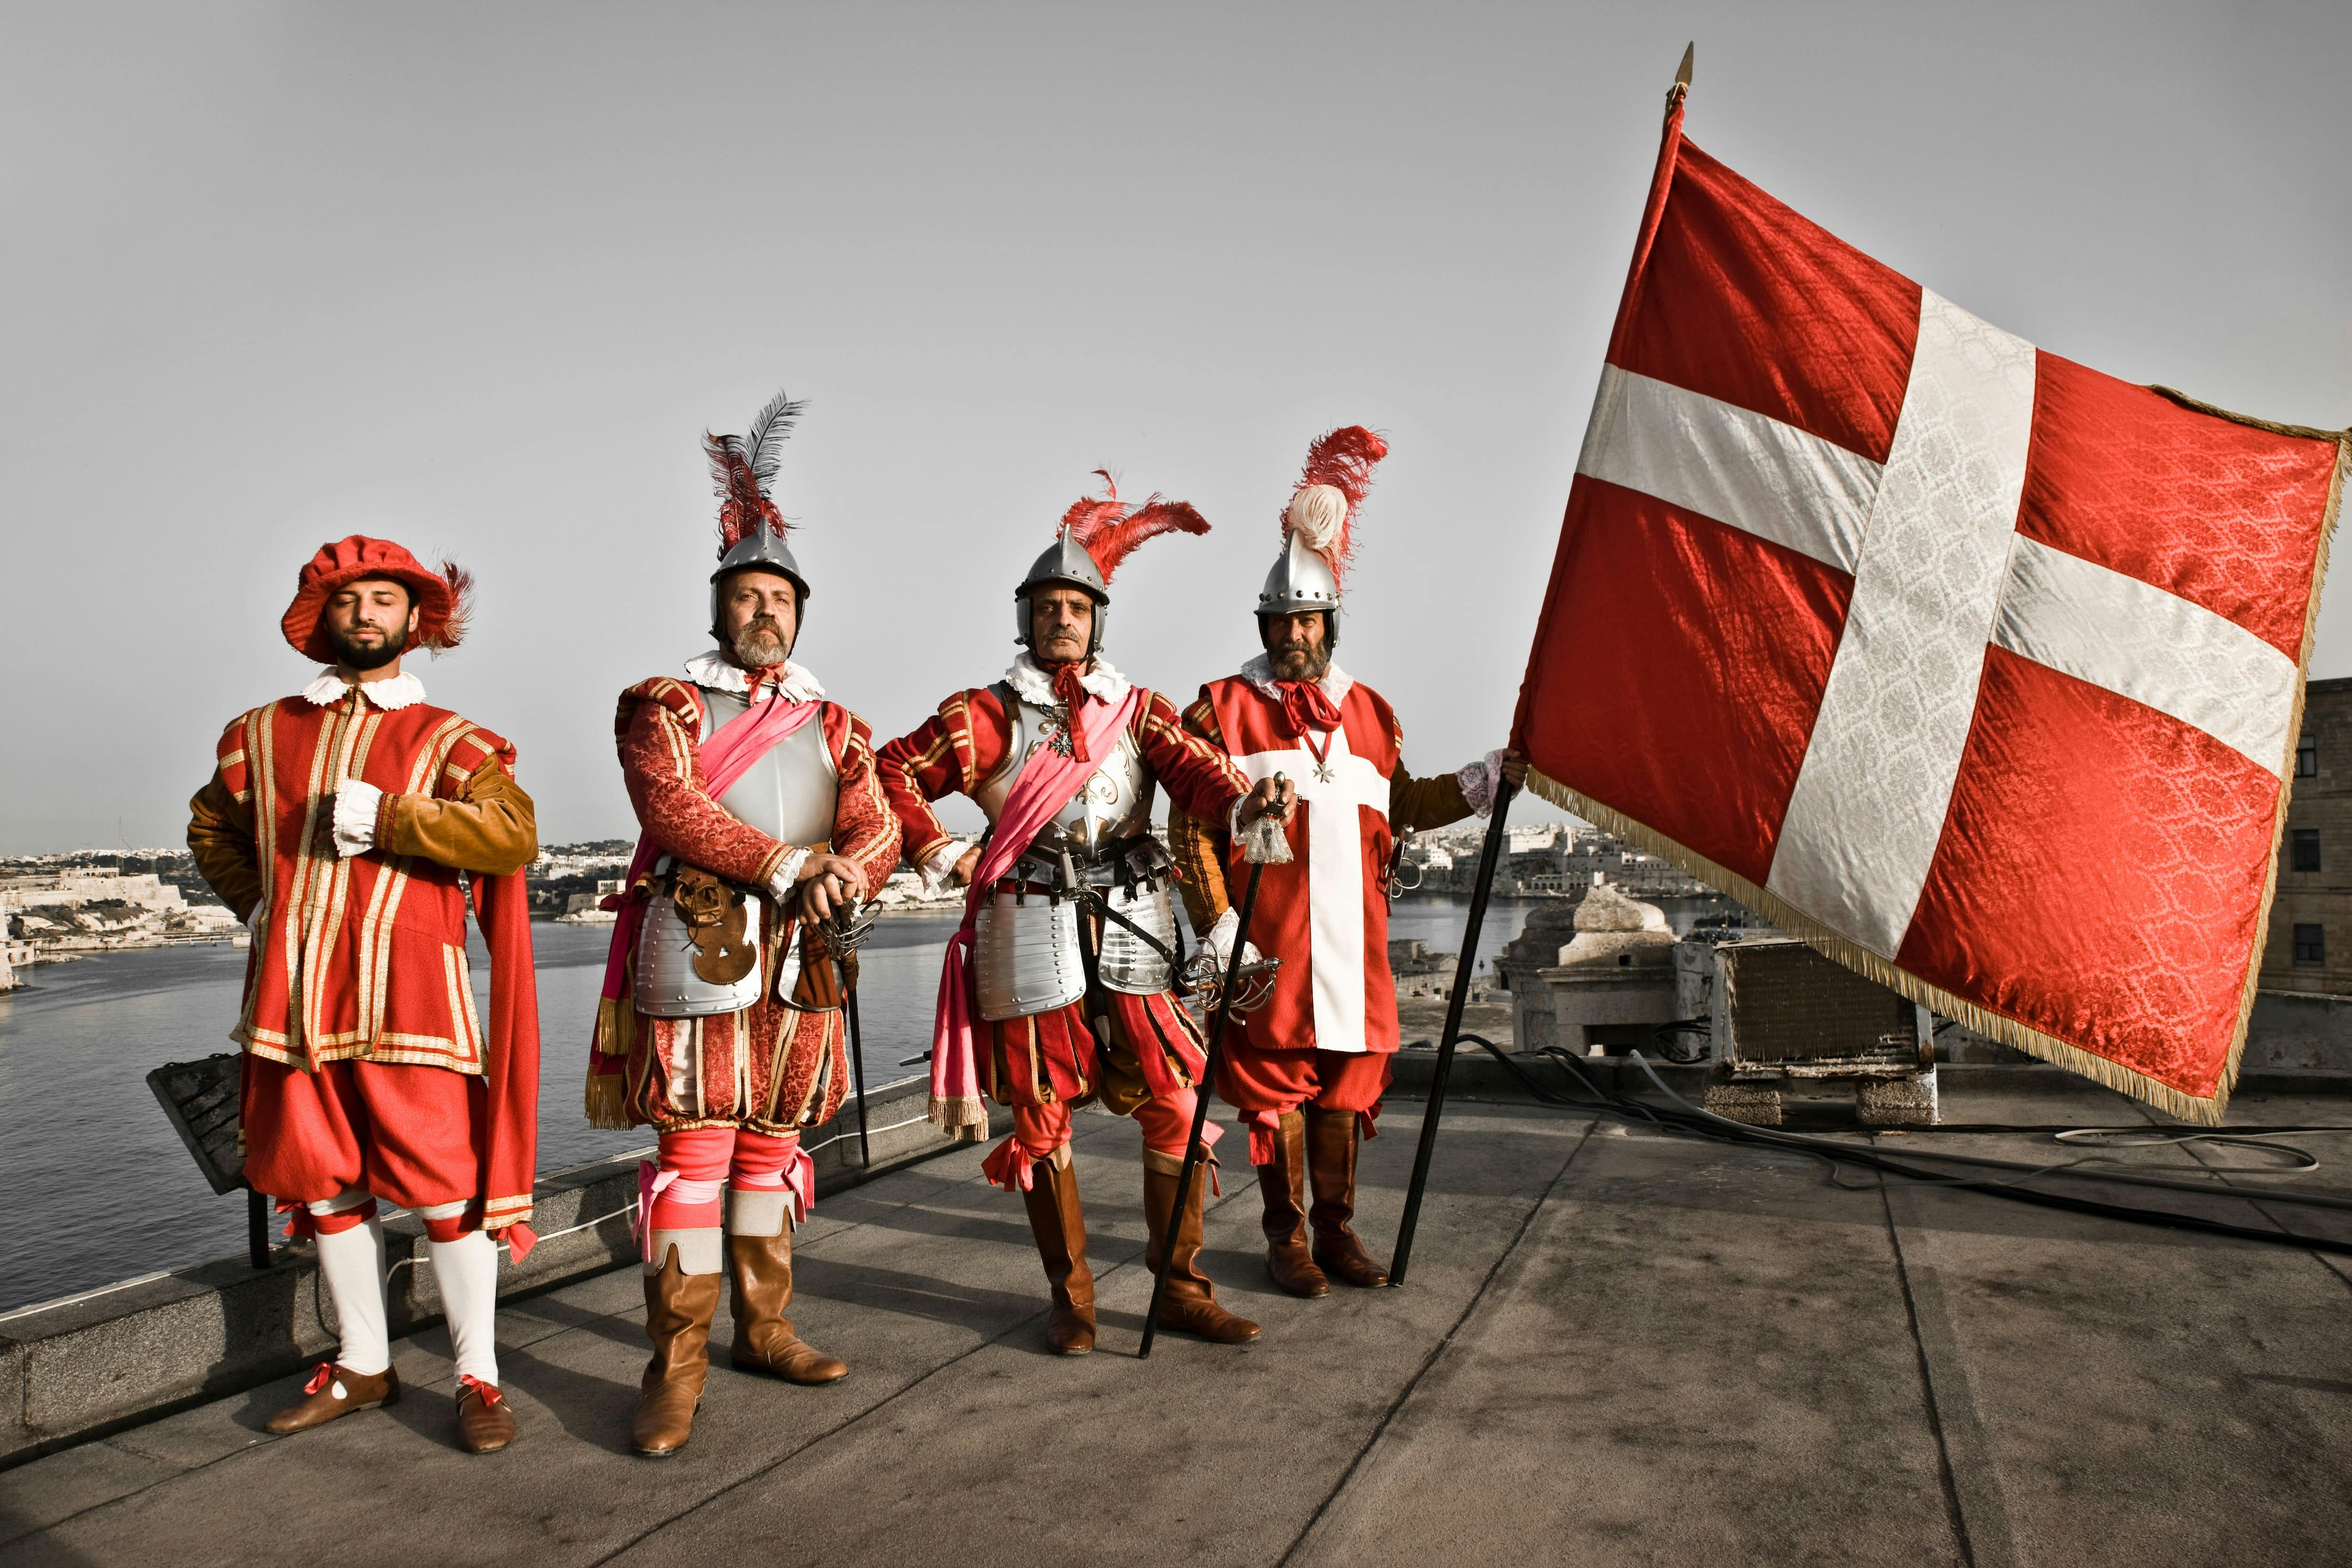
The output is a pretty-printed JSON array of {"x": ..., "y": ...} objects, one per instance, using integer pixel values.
[
  {"x": 2305, "y": 844},
  {"x": 2311, "y": 944},
  {"x": 2307, "y": 757}
]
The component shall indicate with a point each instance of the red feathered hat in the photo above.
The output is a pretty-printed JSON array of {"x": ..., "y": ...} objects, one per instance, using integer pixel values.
[{"x": 441, "y": 596}]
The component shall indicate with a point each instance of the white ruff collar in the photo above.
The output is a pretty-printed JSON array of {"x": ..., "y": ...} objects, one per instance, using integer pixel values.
[
  {"x": 1032, "y": 684},
  {"x": 713, "y": 669},
  {"x": 1336, "y": 682},
  {"x": 396, "y": 692}
]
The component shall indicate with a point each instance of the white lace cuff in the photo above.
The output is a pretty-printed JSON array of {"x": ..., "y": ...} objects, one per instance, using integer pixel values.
[
  {"x": 940, "y": 864},
  {"x": 1481, "y": 781},
  {"x": 355, "y": 806},
  {"x": 788, "y": 874}
]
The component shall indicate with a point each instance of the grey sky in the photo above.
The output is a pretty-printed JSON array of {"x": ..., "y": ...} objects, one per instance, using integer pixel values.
[{"x": 477, "y": 278}]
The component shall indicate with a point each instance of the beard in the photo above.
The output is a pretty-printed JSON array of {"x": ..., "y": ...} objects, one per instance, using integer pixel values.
[
  {"x": 1297, "y": 661},
  {"x": 760, "y": 643},
  {"x": 361, "y": 656}
]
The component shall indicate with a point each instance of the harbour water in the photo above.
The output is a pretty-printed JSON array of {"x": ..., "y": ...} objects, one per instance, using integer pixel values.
[{"x": 100, "y": 1189}]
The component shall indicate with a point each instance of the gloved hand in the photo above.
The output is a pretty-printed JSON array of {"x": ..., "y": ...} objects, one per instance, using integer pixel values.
[{"x": 1219, "y": 940}]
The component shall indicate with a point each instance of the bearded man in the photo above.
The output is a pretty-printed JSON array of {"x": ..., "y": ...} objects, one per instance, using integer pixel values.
[
  {"x": 1308, "y": 1067},
  {"x": 722, "y": 1025},
  {"x": 1063, "y": 755},
  {"x": 337, "y": 824}
]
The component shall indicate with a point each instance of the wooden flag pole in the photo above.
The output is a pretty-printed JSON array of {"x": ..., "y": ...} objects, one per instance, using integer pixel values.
[{"x": 1464, "y": 967}]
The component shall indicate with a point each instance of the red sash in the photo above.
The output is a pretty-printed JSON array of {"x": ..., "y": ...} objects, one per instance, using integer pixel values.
[
  {"x": 727, "y": 756},
  {"x": 1048, "y": 782}
]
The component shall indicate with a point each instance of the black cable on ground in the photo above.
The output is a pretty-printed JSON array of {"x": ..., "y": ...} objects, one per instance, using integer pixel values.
[{"x": 1681, "y": 1117}]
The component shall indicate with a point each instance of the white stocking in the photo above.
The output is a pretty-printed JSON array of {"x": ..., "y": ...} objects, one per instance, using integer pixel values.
[
  {"x": 467, "y": 1270},
  {"x": 350, "y": 1265}
]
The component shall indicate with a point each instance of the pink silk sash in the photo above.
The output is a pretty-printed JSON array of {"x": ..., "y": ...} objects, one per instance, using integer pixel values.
[
  {"x": 1048, "y": 782},
  {"x": 727, "y": 756}
]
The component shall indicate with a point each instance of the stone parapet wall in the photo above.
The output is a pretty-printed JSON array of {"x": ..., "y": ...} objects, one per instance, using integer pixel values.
[{"x": 93, "y": 1363}]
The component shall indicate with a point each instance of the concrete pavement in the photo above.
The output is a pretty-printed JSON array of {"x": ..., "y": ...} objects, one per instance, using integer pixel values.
[{"x": 1615, "y": 1348}]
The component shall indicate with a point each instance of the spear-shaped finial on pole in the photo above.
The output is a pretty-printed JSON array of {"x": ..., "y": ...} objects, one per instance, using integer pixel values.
[{"x": 1681, "y": 90}]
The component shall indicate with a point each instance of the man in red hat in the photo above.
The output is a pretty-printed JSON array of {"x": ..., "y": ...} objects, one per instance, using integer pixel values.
[
  {"x": 337, "y": 824},
  {"x": 1308, "y": 1068},
  {"x": 1045, "y": 1004},
  {"x": 722, "y": 1022}
]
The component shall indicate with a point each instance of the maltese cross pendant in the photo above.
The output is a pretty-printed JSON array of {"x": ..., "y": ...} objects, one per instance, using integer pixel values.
[{"x": 1322, "y": 773}]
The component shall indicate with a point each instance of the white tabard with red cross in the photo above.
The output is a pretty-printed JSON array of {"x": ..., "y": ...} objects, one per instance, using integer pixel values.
[{"x": 1326, "y": 914}]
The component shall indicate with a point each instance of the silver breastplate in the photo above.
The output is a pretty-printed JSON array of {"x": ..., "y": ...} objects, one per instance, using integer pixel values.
[
  {"x": 1115, "y": 804},
  {"x": 788, "y": 794}
]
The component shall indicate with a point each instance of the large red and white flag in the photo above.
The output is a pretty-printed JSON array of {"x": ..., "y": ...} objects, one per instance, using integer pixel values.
[{"x": 1980, "y": 670}]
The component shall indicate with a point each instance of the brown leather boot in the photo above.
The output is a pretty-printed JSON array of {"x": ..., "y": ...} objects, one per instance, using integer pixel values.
[
  {"x": 1189, "y": 1305},
  {"x": 1060, "y": 1228},
  {"x": 764, "y": 1341},
  {"x": 678, "y": 1309},
  {"x": 1331, "y": 1166},
  {"x": 335, "y": 1390},
  {"x": 1283, "y": 1185}
]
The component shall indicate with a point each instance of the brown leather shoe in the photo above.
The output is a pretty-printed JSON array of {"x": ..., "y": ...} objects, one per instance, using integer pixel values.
[
  {"x": 1060, "y": 1228},
  {"x": 764, "y": 1341},
  {"x": 1331, "y": 1166},
  {"x": 335, "y": 1390},
  {"x": 1190, "y": 1306},
  {"x": 678, "y": 1309},
  {"x": 1283, "y": 1185},
  {"x": 486, "y": 1421}
]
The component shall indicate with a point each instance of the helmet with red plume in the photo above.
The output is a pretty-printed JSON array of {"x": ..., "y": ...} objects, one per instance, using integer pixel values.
[
  {"x": 1098, "y": 533},
  {"x": 442, "y": 599},
  {"x": 1318, "y": 526},
  {"x": 750, "y": 529}
]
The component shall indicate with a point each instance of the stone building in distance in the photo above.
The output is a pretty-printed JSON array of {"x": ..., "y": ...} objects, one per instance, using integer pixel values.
[{"x": 2309, "y": 948}]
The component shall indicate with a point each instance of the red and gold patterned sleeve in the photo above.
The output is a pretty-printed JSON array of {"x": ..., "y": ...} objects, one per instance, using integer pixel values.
[
  {"x": 1198, "y": 775},
  {"x": 660, "y": 725},
  {"x": 865, "y": 829},
  {"x": 220, "y": 827},
  {"x": 1416, "y": 804},
  {"x": 950, "y": 753},
  {"x": 1199, "y": 844}
]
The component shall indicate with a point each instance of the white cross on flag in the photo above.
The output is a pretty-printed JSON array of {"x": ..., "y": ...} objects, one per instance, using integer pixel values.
[{"x": 1979, "y": 669}]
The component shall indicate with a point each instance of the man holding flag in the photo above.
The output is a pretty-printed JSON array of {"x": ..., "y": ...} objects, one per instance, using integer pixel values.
[
  {"x": 1057, "y": 989},
  {"x": 1308, "y": 1068},
  {"x": 720, "y": 1024}
]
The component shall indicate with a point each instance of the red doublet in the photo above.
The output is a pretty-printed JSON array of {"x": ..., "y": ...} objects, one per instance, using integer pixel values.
[
  {"x": 367, "y": 1062},
  {"x": 762, "y": 1067},
  {"x": 1326, "y": 914},
  {"x": 1047, "y": 1059}
]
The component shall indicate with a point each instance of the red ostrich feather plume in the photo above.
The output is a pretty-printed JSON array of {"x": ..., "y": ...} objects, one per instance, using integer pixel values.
[
  {"x": 1343, "y": 459},
  {"x": 1108, "y": 529},
  {"x": 742, "y": 467},
  {"x": 743, "y": 505},
  {"x": 460, "y": 617}
]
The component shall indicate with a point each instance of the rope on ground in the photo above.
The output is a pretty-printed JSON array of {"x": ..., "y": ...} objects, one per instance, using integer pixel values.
[{"x": 1683, "y": 1118}]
